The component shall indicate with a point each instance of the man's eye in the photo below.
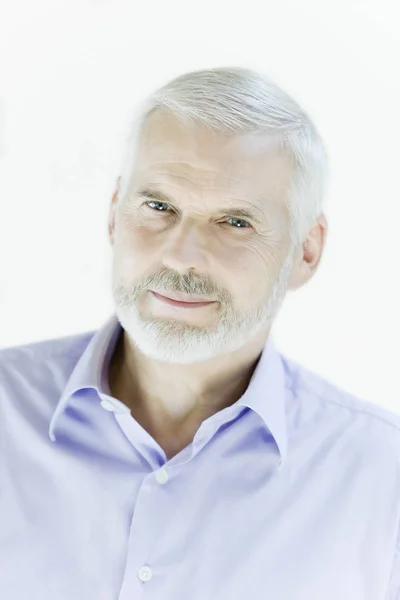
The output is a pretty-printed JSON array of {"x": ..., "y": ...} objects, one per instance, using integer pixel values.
[
  {"x": 155, "y": 202},
  {"x": 241, "y": 226},
  {"x": 238, "y": 223}
]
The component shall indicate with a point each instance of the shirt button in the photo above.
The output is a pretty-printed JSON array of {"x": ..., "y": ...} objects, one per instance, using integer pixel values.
[
  {"x": 145, "y": 573},
  {"x": 107, "y": 405},
  {"x": 162, "y": 476}
]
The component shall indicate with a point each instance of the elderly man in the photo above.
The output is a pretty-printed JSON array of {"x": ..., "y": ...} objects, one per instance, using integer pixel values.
[{"x": 175, "y": 453}]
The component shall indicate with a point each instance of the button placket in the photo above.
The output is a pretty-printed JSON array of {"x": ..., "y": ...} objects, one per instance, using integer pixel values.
[{"x": 148, "y": 524}]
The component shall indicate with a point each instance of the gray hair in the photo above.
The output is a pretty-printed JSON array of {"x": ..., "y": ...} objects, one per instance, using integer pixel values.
[{"x": 238, "y": 100}]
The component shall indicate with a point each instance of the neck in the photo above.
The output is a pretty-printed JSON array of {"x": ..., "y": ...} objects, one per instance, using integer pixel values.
[{"x": 171, "y": 401}]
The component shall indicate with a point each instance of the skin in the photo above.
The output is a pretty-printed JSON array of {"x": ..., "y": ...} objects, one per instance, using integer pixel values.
[{"x": 176, "y": 367}]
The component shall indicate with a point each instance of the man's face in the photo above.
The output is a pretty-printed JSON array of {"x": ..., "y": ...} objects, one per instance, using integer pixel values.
[{"x": 176, "y": 230}]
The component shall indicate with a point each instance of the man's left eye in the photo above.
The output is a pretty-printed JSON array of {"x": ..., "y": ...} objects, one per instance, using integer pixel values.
[{"x": 240, "y": 221}]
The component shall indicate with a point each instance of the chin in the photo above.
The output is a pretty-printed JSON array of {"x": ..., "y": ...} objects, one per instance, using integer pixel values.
[{"x": 179, "y": 342}]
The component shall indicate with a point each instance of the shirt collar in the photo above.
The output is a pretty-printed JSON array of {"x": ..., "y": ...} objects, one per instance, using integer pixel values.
[
  {"x": 265, "y": 393},
  {"x": 91, "y": 370}
]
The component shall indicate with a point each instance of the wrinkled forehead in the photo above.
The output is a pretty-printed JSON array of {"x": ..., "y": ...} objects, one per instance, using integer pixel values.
[{"x": 251, "y": 164}]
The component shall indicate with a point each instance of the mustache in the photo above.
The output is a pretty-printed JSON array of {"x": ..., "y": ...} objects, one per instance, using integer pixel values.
[
  {"x": 180, "y": 283},
  {"x": 169, "y": 281}
]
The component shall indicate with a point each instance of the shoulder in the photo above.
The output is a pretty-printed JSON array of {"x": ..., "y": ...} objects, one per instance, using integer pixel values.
[
  {"x": 37, "y": 372},
  {"x": 315, "y": 395},
  {"x": 15, "y": 358}
]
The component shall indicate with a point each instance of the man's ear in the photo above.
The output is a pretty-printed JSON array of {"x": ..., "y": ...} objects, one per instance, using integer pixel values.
[
  {"x": 113, "y": 209},
  {"x": 307, "y": 263}
]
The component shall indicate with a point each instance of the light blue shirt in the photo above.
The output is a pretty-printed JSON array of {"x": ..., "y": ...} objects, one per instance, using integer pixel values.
[{"x": 293, "y": 492}]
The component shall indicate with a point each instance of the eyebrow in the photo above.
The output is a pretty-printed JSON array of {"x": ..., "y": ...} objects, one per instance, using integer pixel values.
[{"x": 234, "y": 211}]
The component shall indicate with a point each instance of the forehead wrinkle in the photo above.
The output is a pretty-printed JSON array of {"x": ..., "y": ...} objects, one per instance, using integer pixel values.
[
  {"x": 186, "y": 171},
  {"x": 221, "y": 187}
]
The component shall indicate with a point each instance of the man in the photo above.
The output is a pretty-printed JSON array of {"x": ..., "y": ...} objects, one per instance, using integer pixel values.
[{"x": 175, "y": 453}]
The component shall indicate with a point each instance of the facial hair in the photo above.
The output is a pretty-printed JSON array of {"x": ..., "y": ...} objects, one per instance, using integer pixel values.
[{"x": 174, "y": 340}]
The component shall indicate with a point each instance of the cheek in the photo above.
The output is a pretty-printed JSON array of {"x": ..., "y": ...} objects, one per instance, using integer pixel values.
[
  {"x": 128, "y": 253},
  {"x": 254, "y": 258},
  {"x": 133, "y": 239},
  {"x": 253, "y": 271},
  {"x": 135, "y": 251}
]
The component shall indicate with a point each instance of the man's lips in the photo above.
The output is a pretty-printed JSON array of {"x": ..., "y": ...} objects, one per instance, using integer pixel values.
[{"x": 182, "y": 300}]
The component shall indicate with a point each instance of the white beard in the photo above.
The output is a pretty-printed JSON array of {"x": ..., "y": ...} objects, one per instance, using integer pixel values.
[{"x": 175, "y": 341}]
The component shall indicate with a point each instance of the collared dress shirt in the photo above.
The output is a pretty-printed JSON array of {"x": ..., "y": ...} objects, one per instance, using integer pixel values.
[{"x": 291, "y": 493}]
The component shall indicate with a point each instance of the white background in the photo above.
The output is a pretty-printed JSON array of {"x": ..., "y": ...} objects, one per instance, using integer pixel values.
[{"x": 72, "y": 73}]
